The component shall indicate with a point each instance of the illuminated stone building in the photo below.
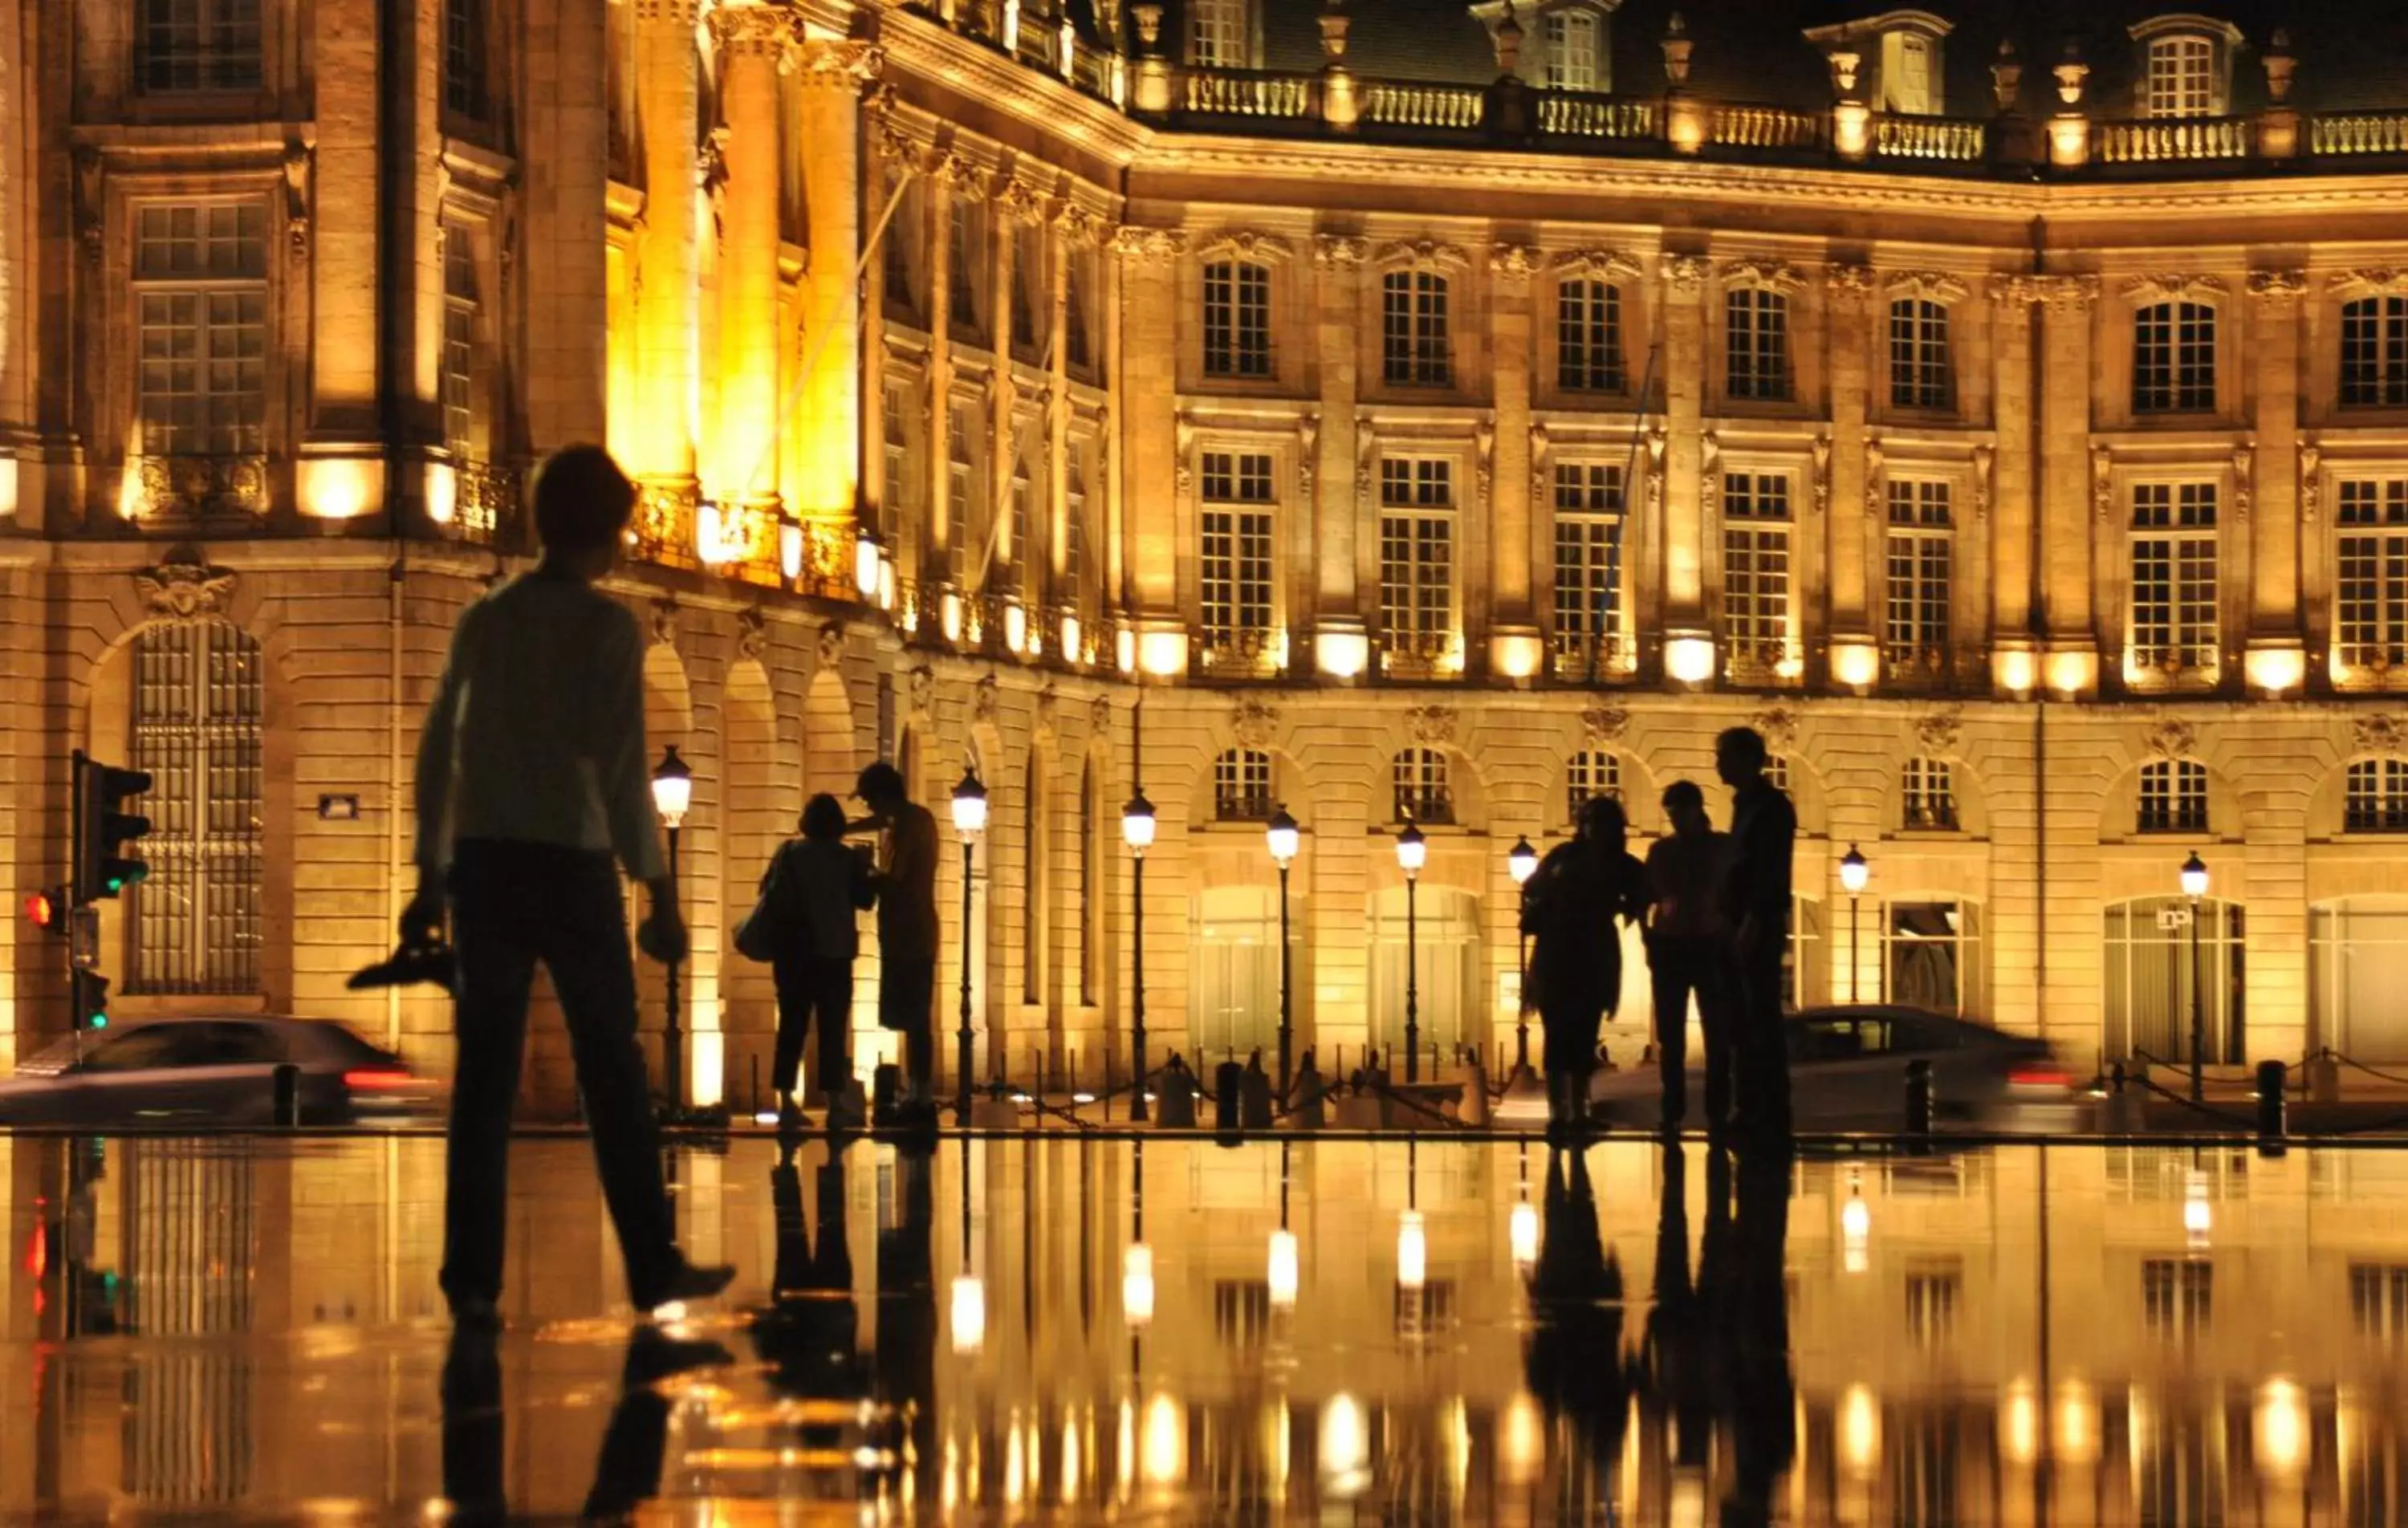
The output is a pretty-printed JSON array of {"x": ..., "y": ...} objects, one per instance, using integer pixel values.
[{"x": 1437, "y": 411}]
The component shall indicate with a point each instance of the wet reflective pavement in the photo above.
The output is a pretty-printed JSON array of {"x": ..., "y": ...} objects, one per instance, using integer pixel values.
[{"x": 1072, "y": 1330}]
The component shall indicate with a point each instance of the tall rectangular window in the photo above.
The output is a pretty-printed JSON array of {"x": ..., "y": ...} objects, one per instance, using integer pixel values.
[
  {"x": 1074, "y": 546},
  {"x": 1237, "y": 572},
  {"x": 962, "y": 479},
  {"x": 1216, "y": 34},
  {"x": 1416, "y": 561},
  {"x": 1589, "y": 634},
  {"x": 198, "y": 45},
  {"x": 1237, "y": 318},
  {"x": 1756, "y": 340},
  {"x": 2374, "y": 353},
  {"x": 459, "y": 340},
  {"x": 1571, "y": 51},
  {"x": 901, "y": 490},
  {"x": 1027, "y": 280},
  {"x": 1907, "y": 74},
  {"x": 963, "y": 246},
  {"x": 2174, "y": 623},
  {"x": 1023, "y": 549},
  {"x": 1076, "y": 284},
  {"x": 1589, "y": 337},
  {"x": 1241, "y": 786},
  {"x": 1919, "y": 373},
  {"x": 2174, "y": 358},
  {"x": 196, "y": 731},
  {"x": 1414, "y": 328},
  {"x": 894, "y": 244},
  {"x": 2182, "y": 78},
  {"x": 200, "y": 273},
  {"x": 1756, "y": 616},
  {"x": 463, "y": 58},
  {"x": 1916, "y": 634},
  {"x": 2371, "y": 557}
]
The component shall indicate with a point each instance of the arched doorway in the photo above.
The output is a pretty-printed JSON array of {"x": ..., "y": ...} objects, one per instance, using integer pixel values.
[
  {"x": 1235, "y": 996},
  {"x": 2150, "y": 981},
  {"x": 1448, "y": 944},
  {"x": 2358, "y": 968}
]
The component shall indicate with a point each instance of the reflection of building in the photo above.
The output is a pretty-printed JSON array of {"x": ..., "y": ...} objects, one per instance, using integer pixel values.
[{"x": 1427, "y": 414}]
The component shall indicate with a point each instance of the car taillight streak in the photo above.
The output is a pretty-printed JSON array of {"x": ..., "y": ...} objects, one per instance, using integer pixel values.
[
  {"x": 2039, "y": 1075},
  {"x": 373, "y": 1079}
]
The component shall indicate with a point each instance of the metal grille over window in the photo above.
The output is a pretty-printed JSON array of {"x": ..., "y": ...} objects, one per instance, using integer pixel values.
[
  {"x": 199, "y": 45},
  {"x": 1589, "y": 337},
  {"x": 1241, "y": 786},
  {"x": 2371, "y": 553},
  {"x": 1755, "y": 330},
  {"x": 1424, "y": 790},
  {"x": 196, "y": 729},
  {"x": 1592, "y": 775},
  {"x": 1412, "y": 328},
  {"x": 1237, "y": 320},
  {"x": 1916, "y": 634},
  {"x": 1755, "y": 576},
  {"x": 1589, "y": 634},
  {"x": 2173, "y": 797},
  {"x": 1919, "y": 373},
  {"x": 2377, "y": 799},
  {"x": 1417, "y": 562},
  {"x": 2374, "y": 353},
  {"x": 1930, "y": 794},
  {"x": 1236, "y": 576},
  {"x": 2174, "y": 358},
  {"x": 2174, "y": 619}
]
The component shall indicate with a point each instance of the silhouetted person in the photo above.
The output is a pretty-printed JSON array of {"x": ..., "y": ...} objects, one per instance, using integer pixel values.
[
  {"x": 1568, "y": 909},
  {"x": 531, "y": 776},
  {"x": 817, "y": 886},
  {"x": 1678, "y": 1319},
  {"x": 1689, "y": 953},
  {"x": 1755, "y": 900},
  {"x": 906, "y": 885},
  {"x": 1573, "y": 1357},
  {"x": 1755, "y": 1388}
]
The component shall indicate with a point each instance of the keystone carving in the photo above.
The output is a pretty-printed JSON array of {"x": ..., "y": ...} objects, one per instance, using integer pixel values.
[
  {"x": 1432, "y": 726},
  {"x": 1686, "y": 273},
  {"x": 2311, "y": 482},
  {"x": 2275, "y": 285},
  {"x": 1513, "y": 260},
  {"x": 1849, "y": 280},
  {"x": 1596, "y": 265},
  {"x": 1778, "y": 726},
  {"x": 832, "y": 643},
  {"x": 2171, "y": 739},
  {"x": 1048, "y": 704},
  {"x": 1983, "y": 456},
  {"x": 2166, "y": 287},
  {"x": 1336, "y": 252},
  {"x": 2102, "y": 481},
  {"x": 921, "y": 690},
  {"x": 665, "y": 622},
  {"x": 984, "y": 698},
  {"x": 2245, "y": 479},
  {"x": 1099, "y": 717},
  {"x": 1603, "y": 724},
  {"x": 1768, "y": 274},
  {"x": 752, "y": 633},
  {"x": 1425, "y": 253},
  {"x": 1254, "y": 723},
  {"x": 1937, "y": 732},
  {"x": 184, "y": 587},
  {"x": 2380, "y": 731},
  {"x": 1931, "y": 286}
]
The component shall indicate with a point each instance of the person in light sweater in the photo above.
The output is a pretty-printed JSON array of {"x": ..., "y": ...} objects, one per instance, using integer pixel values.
[{"x": 531, "y": 780}]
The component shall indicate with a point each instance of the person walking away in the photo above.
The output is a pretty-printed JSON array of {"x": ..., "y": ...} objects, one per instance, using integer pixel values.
[
  {"x": 1689, "y": 951},
  {"x": 1568, "y": 909},
  {"x": 816, "y": 886},
  {"x": 531, "y": 777},
  {"x": 905, "y": 888},
  {"x": 1755, "y": 900}
]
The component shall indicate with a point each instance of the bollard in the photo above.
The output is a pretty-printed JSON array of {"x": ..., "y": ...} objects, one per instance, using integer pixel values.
[
  {"x": 2273, "y": 1078},
  {"x": 884, "y": 1083},
  {"x": 1474, "y": 1110},
  {"x": 1176, "y": 1094},
  {"x": 1308, "y": 1111},
  {"x": 288, "y": 1094},
  {"x": 1918, "y": 1097},
  {"x": 1229, "y": 1078}
]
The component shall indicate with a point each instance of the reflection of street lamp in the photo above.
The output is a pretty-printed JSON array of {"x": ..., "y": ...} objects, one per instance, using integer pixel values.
[
  {"x": 1284, "y": 840},
  {"x": 2194, "y": 885},
  {"x": 1282, "y": 1276},
  {"x": 1413, "y": 852},
  {"x": 1521, "y": 862},
  {"x": 969, "y": 1292},
  {"x": 1856, "y": 1226},
  {"x": 1136, "y": 831},
  {"x": 672, "y": 793},
  {"x": 969, "y": 821},
  {"x": 1521, "y": 1229},
  {"x": 1853, "y": 873}
]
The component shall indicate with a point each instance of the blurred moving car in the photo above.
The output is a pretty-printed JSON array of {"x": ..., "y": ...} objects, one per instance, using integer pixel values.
[
  {"x": 1847, "y": 1070},
  {"x": 211, "y": 1072}
]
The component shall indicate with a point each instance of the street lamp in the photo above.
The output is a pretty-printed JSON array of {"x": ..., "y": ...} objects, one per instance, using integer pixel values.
[
  {"x": 1853, "y": 873},
  {"x": 1413, "y": 852},
  {"x": 969, "y": 821},
  {"x": 1136, "y": 831},
  {"x": 1521, "y": 862},
  {"x": 2194, "y": 885},
  {"x": 672, "y": 793},
  {"x": 1284, "y": 840}
]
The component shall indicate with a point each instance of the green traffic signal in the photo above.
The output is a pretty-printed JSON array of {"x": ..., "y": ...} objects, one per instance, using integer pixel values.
[{"x": 106, "y": 830}]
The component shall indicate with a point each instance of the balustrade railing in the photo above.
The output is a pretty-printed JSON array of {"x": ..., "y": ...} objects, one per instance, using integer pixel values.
[
  {"x": 1764, "y": 127},
  {"x": 1248, "y": 653},
  {"x": 1420, "y": 654},
  {"x": 188, "y": 488},
  {"x": 1397, "y": 102},
  {"x": 484, "y": 503},
  {"x": 1228, "y": 92},
  {"x": 2360, "y": 132},
  {"x": 1774, "y": 663},
  {"x": 2159, "y": 140},
  {"x": 1577, "y": 658},
  {"x": 1564, "y": 114},
  {"x": 1929, "y": 137}
]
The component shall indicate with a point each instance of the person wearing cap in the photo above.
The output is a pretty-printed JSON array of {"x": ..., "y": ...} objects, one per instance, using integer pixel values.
[{"x": 905, "y": 885}]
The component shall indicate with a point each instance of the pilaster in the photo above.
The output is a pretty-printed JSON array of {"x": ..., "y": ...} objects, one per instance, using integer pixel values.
[
  {"x": 753, "y": 41},
  {"x": 2270, "y": 464},
  {"x": 1512, "y": 510},
  {"x": 824, "y": 423},
  {"x": 2010, "y": 506},
  {"x": 2068, "y": 503},
  {"x": 1148, "y": 260},
  {"x": 668, "y": 282},
  {"x": 1685, "y": 390},
  {"x": 1337, "y": 277},
  {"x": 1854, "y": 520}
]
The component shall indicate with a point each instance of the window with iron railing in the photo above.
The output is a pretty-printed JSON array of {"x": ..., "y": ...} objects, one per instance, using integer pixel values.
[
  {"x": 2374, "y": 353},
  {"x": 1919, "y": 564},
  {"x": 2370, "y": 557},
  {"x": 1756, "y": 612},
  {"x": 1416, "y": 560},
  {"x": 1593, "y": 774},
  {"x": 1424, "y": 786},
  {"x": 1236, "y": 573},
  {"x": 1241, "y": 786},
  {"x": 2174, "y": 358},
  {"x": 1755, "y": 344},
  {"x": 194, "y": 924},
  {"x": 2376, "y": 796},
  {"x": 1927, "y": 792},
  {"x": 1589, "y": 337},
  {"x": 1237, "y": 318},
  {"x": 198, "y": 45},
  {"x": 1587, "y": 634},
  {"x": 1414, "y": 328},
  {"x": 2175, "y": 622},
  {"x": 1920, "y": 376},
  {"x": 2173, "y": 797}
]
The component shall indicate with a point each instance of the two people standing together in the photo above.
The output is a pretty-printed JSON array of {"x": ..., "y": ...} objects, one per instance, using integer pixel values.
[{"x": 1714, "y": 908}]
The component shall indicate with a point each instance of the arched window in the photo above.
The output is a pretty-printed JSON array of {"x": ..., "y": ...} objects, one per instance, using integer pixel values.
[
  {"x": 2183, "y": 79},
  {"x": 1919, "y": 374},
  {"x": 1237, "y": 318},
  {"x": 1573, "y": 58},
  {"x": 1591, "y": 774},
  {"x": 1928, "y": 794},
  {"x": 2174, "y": 357},
  {"x": 1424, "y": 790},
  {"x": 1241, "y": 786},
  {"x": 2377, "y": 796},
  {"x": 2374, "y": 353},
  {"x": 2173, "y": 797},
  {"x": 199, "y": 705}
]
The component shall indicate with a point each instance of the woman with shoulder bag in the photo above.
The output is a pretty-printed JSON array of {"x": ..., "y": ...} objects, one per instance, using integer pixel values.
[{"x": 806, "y": 926}]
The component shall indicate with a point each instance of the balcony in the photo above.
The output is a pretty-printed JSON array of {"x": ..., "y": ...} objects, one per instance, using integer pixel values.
[
  {"x": 1246, "y": 652},
  {"x": 484, "y": 505},
  {"x": 1421, "y": 655},
  {"x": 185, "y": 490},
  {"x": 2168, "y": 139},
  {"x": 1770, "y": 664},
  {"x": 1581, "y": 659}
]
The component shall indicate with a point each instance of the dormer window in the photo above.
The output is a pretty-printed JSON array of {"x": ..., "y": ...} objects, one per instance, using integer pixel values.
[
  {"x": 1219, "y": 34},
  {"x": 1571, "y": 51},
  {"x": 2186, "y": 65},
  {"x": 1566, "y": 44},
  {"x": 1899, "y": 58},
  {"x": 1908, "y": 73}
]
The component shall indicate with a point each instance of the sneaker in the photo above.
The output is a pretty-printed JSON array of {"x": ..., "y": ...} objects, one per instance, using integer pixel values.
[
  {"x": 686, "y": 1281},
  {"x": 791, "y": 1117}
]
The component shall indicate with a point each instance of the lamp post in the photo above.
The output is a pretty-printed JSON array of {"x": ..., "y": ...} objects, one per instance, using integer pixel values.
[
  {"x": 969, "y": 821},
  {"x": 2194, "y": 885},
  {"x": 1521, "y": 862},
  {"x": 1136, "y": 831},
  {"x": 1284, "y": 840},
  {"x": 672, "y": 793},
  {"x": 1854, "y": 872},
  {"x": 1413, "y": 852}
]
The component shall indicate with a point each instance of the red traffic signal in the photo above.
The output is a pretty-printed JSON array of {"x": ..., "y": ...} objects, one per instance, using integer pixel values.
[{"x": 42, "y": 911}]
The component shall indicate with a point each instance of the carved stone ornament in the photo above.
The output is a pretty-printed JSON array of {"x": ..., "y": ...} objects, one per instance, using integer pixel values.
[
  {"x": 2268, "y": 286},
  {"x": 1605, "y": 724},
  {"x": 2167, "y": 288},
  {"x": 2380, "y": 731},
  {"x": 752, "y": 633},
  {"x": 665, "y": 622},
  {"x": 2102, "y": 481},
  {"x": 1710, "y": 478},
  {"x": 1821, "y": 493},
  {"x": 297, "y": 200},
  {"x": 1983, "y": 455},
  {"x": 1183, "y": 434},
  {"x": 1685, "y": 274},
  {"x": 1308, "y": 443},
  {"x": 1339, "y": 251},
  {"x": 1931, "y": 286},
  {"x": 1367, "y": 457},
  {"x": 1425, "y": 254},
  {"x": 2372, "y": 281},
  {"x": 1149, "y": 245},
  {"x": 90, "y": 207},
  {"x": 1513, "y": 260},
  {"x": 1254, "y": 723},
  {"x": 1938, "y": 731},
  {"x": 1432, "y": 726},
  {"x": 1768, "y": 275},
  {"x": 1248, "y": 244},
  {"x": 1099, "y": 717},
  {"x": 1484, "y": 440},
  {"x": 2066, "y": 292},
  {"x": 753, "y": 28},
  {"x": 2245, "y": 479},
  {"x": 1778, "y": 727},
  {"x": 832, "y": 643},
  {"x": 2013, "y": 290},
  {"x": 1537, "y": 464},
  {"x": 840, "y": 61},
  {"x": 2171, "y": 739},
  {"x": 919, "y": 691},
  {"x": 1049, "y": 706},
  {"x": 984, "y": 698},
  {"x": 1849, "y": 280},
  {"x": 183, "y": 586},
  {"x": 1596, "y": 265},
  {"x": 2311, "y": 481}
]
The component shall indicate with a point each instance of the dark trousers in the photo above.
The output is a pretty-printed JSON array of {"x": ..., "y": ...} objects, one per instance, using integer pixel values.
[
  {"x": 512, "y": 905},
  {"x": 813, "y": 990},
  {"x": 1678, "y": 969},
  {"x": 1759, "y": 1040},
  {"x": 907, "y": 994}
]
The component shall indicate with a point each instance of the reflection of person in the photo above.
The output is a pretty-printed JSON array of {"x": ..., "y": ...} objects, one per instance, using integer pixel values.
[
  {"x": 1568, "y": 909},
  {"x": 809, "y": 1334},
  {"x": 1689, "y": 951},
  {"x": 1676, "y": 1322},
  {"x": 1754, "y": 1389},
  {"x": 906, "y": 885},
  {"x": 531, "y": 776},
  {"x": 1571, "y": 1360},
  {"x": 1756, "y": 899},
  {"x": 818, "y": 887},
  {"x": 905, "y": 1378}
]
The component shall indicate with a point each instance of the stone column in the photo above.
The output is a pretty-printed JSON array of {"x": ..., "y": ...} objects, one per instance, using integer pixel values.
[
  {"x": 2266, "y": 485},
  {"x": 1682, "y": 512},
  {"x": 2010, "y": 500},
  {"x": 753, "y": 41},
  {"x": 666, "y": 312},
  {"x": 945, "y": 176},
  {"x": 1515, "y": 651},
  {"x": 2074, "y": 487},
  {"x": 1006, "y": 202},
  {"x": 825, "y": 425},
  {"x": 1059, "y": 241},
  {"x": 1149, "y": 430},
  {"x": 1854, "y": 518},
  {"x": 1337, "y": 276}
]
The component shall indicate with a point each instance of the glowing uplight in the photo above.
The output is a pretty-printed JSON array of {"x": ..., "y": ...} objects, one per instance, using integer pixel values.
[
  {"x": 2019, "y": 1425},
  {"x": 1346, "y": 1446},
  {"x": 2017, "y": 670},
  {"x": 442, "y": 491},
  {"x": 1690, "y": 660},
  {"x": 710, "y": 534},
  {"x": 1859, "y": 1431},
  {"x": 949, "y": 616},
  {"x": 1165, "y": 1450},
  {"x": 1282, "y": 1272},
  {"x": 1516, "y": 655},
  {"x": 1070, "y": 648},
  {"x": 1522, "y": 1234},
  {"x": 2071, "y": 673},
  {"x": 336, "y": 488},
  {"x": 2077, "y": 1424},
  {"x": 2281, "y": 1428},
  {"x": 8, "y": 487},
  {"x": 1855, "y": 664},
  {"x": 2275, "y": 669},
  {"x": 1124, "y": 651},
  {"x": 1341, "y": 654},
  {"x": 1163, "y": 653},
  {"x": 1413, "y": 1251},
  {"x": 969, "y": 1314},
  {"x": 1137, "y": 1284},
  {"x": 1015, "y": 626}
]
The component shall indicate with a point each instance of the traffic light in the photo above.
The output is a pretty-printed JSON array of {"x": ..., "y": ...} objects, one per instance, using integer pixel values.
[
  {"x": 91, "y": 1000},
  {"x": 104, "y": 831},
  {"x": 47, "y": 910}
]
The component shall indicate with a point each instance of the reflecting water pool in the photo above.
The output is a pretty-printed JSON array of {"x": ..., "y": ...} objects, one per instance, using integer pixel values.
[{"x": 1087, "y": 1329}]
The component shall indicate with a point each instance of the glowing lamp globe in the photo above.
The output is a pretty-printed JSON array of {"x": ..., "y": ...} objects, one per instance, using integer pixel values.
[
  {"x": 672, "y": 787},
  {"x": 1413, "y": 850},
  {"x": 1854, "y": 872},
  {"x": 1136, "y": 823},
  {"x": 969, "y": 805},
  {"x": 2194, "y": 877},
  {"x": 1282, "y": 837},
  {"x": 1521, "y": 862}
]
